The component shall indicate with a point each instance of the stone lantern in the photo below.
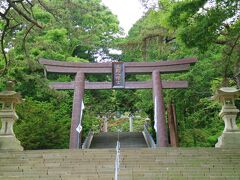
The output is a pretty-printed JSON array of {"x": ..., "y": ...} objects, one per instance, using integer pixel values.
[
  {"x": 231, "y": 134},
  {"x": 8, "y": 116},
  {"x": 147, "y": 121},
  {"x": 104, "y": 124}
]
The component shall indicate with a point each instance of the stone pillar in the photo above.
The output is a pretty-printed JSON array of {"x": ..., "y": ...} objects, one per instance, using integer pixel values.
[
  {"x": 105, "y": 124},
  {"x": 130, "y": 123},
  {"x": 8, "y": 116},
  {"x": 75, "y": 137},
  {"x": 230, "y": 137},
  {"x": 159, "y": 111}
]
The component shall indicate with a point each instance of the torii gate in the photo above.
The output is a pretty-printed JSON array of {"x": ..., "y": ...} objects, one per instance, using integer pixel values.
[{"x": 118, "y": 70}]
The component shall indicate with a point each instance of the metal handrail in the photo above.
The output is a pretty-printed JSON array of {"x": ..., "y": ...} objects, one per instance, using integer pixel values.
[
  {"x": 117, "y": 161},
  {"x": 149, "y": 140},
  {"x": 88, "y": 140}
]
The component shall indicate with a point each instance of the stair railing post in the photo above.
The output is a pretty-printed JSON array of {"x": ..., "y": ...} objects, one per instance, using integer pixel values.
[{"x": 117, "y": 161}]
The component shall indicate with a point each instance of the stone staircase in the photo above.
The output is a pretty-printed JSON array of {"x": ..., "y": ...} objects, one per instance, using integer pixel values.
[
  {"x": 180, "y": 164},
  {"x": 57, "y": 165},
  {"x": 135, "y": 163},
  {"x": 127, "y": 139}
]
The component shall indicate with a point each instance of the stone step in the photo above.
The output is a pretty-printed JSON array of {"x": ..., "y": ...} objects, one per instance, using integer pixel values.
[
  {"x": 62, "y": 177},
  {"x": 140, "y": 151},
  {"x": 154, "y": 177}
]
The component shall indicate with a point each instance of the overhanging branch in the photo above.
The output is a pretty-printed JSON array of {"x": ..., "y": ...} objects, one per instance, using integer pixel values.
[
  {"x": 25, "y": 36},
  {"x": 21, "y": 13}
]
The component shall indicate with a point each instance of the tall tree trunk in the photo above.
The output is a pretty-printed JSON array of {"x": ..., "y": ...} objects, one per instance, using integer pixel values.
[
  {"x": 144, "y": 49},
  {"x": 237, "y": 67}
]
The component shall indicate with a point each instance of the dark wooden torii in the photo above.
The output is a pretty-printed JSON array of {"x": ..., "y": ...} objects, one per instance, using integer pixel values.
[{"x": 155, "y": 68}]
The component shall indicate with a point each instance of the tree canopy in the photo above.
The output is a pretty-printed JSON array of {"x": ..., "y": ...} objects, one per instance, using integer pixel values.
[{"x": 204, "y": 23}]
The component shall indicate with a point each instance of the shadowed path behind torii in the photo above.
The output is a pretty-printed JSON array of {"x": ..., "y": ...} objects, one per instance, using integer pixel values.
[{"x": 127, "y": 140}]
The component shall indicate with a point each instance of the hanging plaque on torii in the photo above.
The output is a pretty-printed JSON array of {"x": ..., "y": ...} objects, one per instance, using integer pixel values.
[
  {"x": 118, "y": 71},
  {"x": 118, "y": 75}
]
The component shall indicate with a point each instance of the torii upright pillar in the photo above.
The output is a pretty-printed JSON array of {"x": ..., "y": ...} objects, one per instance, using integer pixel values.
[
  {"x": 79, "y": 85},
  {"x": 159, "y": 110}
]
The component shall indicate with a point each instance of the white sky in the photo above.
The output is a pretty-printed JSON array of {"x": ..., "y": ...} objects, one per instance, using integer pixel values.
[{"x": 128, "y": 11}]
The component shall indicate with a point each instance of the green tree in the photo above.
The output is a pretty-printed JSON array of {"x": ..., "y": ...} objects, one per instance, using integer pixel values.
[
  {"x": 204, "y": 23},
  {"x": 74, "y": 30}
]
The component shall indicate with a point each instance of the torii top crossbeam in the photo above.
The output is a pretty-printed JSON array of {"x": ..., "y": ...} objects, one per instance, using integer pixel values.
[
  {"x": 130, "y": 67},
  {"x": 118, "y": 71}
]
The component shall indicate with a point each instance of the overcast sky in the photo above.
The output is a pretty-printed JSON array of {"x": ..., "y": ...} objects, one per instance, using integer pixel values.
[{"x": 128, "y": 11}]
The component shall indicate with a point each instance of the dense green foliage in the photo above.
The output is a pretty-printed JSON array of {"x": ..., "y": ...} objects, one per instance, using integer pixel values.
[
  {"x": 75, "y": 31},
  {"x": 84, "y": 30},
  {"x": 199, "y": 29}
]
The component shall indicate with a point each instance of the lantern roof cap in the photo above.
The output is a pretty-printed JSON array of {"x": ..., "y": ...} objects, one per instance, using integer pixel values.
[
  {"x": 226, "y": 92},
  {"x": 9, "y": 95}
]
